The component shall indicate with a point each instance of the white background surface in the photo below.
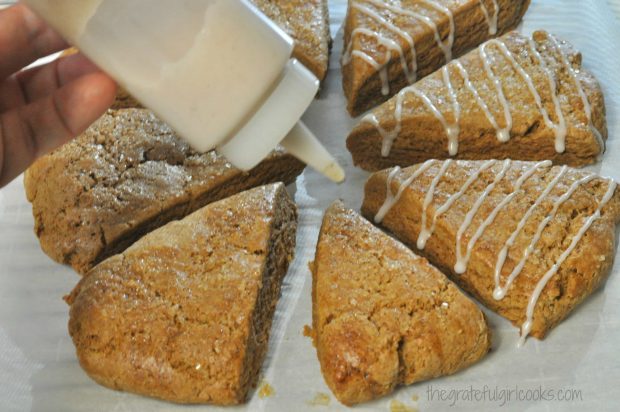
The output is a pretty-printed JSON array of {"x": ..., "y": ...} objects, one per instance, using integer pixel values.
[{"x": 39, "y": 370}]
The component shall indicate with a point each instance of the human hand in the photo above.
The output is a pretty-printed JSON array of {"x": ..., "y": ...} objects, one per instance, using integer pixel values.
[{"x": 44, "y": 107}]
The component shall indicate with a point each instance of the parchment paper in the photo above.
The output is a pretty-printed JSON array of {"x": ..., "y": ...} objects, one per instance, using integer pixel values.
[{"x": 39, "y": 370}]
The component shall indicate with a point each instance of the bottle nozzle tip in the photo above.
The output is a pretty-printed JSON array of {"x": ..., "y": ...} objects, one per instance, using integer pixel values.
[{"x": 334, "y": 172}]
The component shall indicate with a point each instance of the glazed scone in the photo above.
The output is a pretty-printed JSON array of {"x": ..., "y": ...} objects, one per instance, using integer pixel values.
[
  {"x": 125, "y": 176},
  {"x": 384, "y": 317},
  {"x": 545, "y": 106},
  {"x": 390, "y": 45},
  {"x": 185, "y": 313},
  {"x": 529, "y": 240},
  {"x": 307, "y": 22}
]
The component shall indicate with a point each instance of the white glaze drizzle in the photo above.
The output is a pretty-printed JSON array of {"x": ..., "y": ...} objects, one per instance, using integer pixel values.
[
  {"x": 500, "y": 291},
  {"x": 459, "y": 265},
  {"x": 390, "y": 198},
  {"x": 526, "y": 328},
  {"x": 430, "y": 194},
  {"x": 491, "y": 18},
  {"x": 586, "y": 103},
  {"x": 503, "y": 134},
  {"x": 462, "y": 260},
  {"x": 559, "y": 129},
  {"x": 446, "y": 47},
  {"x": 452, "y": 129},
  {"x": 426, "y": 233},
  {"x": 391, "y": 45}
]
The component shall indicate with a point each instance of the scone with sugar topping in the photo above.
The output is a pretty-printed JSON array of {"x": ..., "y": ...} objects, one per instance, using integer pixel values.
[
  {"x": 528, "y": 239},
  {"x": 392, "y": 44},
  {"x": 126, "y": 175},
  {"x": 384, "y": 317},
  {"x": 514, "y": 97},
  {"x": 307, "y": 22},
  {"x": 185, "y": 313}
]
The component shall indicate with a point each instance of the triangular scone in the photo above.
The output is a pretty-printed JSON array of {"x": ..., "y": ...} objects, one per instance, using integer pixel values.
[
  {"x": 529, "y": 240},
  {"x": 184, "y": 314},
  {"x": 125, "y": 176},
  {"x": 544, "y": 106},
  {"x": 383, "y": 316},
  {"x": 307, "y": 22},
  {"x": 391, "y": 44}
]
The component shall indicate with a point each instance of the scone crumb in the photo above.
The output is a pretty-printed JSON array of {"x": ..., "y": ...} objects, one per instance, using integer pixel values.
[
  {"x": 266, "y": 390},
  {"x": 320, "y": 399},
  {"x": 397, "y": 406},
  {"x": 415, "y": 397},
  {"x": 308, "y": 332}
]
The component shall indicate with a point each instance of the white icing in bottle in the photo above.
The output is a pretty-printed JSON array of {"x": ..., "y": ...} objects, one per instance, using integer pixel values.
[
  {"x": 491, "y": 18},
  {"x": 459, "y": 266},
  {"x": 390, "y": 198},
  {"x": 526, "y": 328},
  {"x": 491, "y": 218}
]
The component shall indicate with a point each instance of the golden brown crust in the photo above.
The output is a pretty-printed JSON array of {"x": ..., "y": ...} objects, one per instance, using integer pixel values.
[
  {"x": 362, "y": 83},
  {"x": 184, "y": 314},
  {"x": 383, "y": 316},
  {"x": 581, "y": 273},
  {"x": 307, "y": 22},
  {"x": 125, "y": 176},
  {"x": 423, "y": 136}
]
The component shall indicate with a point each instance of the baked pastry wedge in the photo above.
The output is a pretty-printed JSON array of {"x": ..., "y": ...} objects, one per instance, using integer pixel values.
[
  {"x": 391, "y": 44},
  {"x": 529, "y": 240},
  {"x": 307, "y": 22},
  {"x": 514, "y": 97},
  {"x": 125, "y": 176},
  {"x": 384, "y": 317},
  {"x": 185, "y": 313}
]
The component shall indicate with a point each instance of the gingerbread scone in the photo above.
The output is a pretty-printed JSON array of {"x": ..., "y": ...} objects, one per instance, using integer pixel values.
[
  {"x": 307, "y": 22},
  {"x": 185, "y": 313},
  {"x": 514, "y": 97},
  {"x": 529, "y": 240},
  {"x": 125, "y": 176},
  {"x": 390, "y": 45},
  {"x": 384, "y": 317}
]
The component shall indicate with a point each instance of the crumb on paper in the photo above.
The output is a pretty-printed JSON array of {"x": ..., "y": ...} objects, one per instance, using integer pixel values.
[
  {"x": 397, "y": 406},
  {"x": 265, "y": 390},
  {"x": 415, "y": 397},
  {"x": 321, "y": 399},
  {"x": 308, "y": 332}
]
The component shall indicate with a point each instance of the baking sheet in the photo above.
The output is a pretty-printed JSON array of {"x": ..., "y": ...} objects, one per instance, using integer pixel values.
[{"x": 39, "y": 370}]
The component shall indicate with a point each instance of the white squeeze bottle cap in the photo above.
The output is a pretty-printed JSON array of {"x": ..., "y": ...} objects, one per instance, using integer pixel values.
[{"x": 218, "y": 71}]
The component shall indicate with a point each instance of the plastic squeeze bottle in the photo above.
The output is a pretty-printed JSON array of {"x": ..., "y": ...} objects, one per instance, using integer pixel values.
[{"x": 218, "y": 71}]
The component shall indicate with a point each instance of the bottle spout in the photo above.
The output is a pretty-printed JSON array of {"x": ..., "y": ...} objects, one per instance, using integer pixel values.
[{"x": 303, "y": 144}]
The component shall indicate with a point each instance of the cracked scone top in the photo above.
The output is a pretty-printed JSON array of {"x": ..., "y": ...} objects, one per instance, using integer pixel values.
[
  {"x": 389, "y": 44},
  {"x": 126, "y": 175},
  {"x": 184, "y": 314},
  {"x": 529, "y": 240},
  {"x": 384, "y": 317},
  {"x": 513, "y": 97}
]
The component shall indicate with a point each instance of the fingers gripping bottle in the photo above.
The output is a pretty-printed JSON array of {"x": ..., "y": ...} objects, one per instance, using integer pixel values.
[{"x": 218, "y": 71}]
